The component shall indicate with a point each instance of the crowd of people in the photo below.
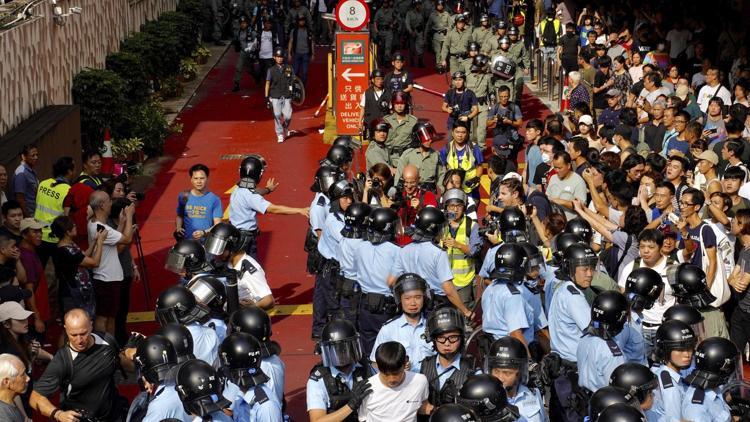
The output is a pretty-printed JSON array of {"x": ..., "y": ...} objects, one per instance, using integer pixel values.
[{"x": 600, "y": 275}]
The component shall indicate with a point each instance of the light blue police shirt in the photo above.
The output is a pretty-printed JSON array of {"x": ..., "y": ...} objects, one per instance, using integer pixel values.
[
  {"x": 372, "y": 264},
  {"x": 569, "y": 315},
  {"x": 244, "y": 408},
  {"x": 535, "y": 301},
  {"x": 346, "y": 256},
  {"x": 630, "y": 340},
  {"x": 488, "y": 265},
  {"x": 668, "y": 399},
  {"x": 220, "y": 327},
  {"x": 506, "y": 311},
  {"x": 205, "y": 342},
  {"x": 445, "y": 373},
  {"x": 317, "y": 395},
  {"x": 529, "y": 404},
  {"x": 274, "y": 367},
  {"x": 319, "y": 212},
  {"x": 427, "y": 260},
  {"x": 244, "y": 206},
  {"x": 410, "y": 336},
  {"x": 217, "y": 416},
  {"x": 596, "y": 362},
  {"x": 713, "y": 408},
  {"x": 165, "y": 404},
  {"x": 328, "y": 244}
]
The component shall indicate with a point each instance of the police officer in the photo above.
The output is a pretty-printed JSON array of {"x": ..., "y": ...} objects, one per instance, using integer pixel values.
[
  {"x": 399, "y": 79},
  {"x": 246, "y": 383},
  {"x": 423, "y": 256},
  {"x": 412, "y": 296},
  {"x": 448, "y": 369},
  {"x": 486, "y": 396},
  {"x": 455, "y": 44},
  {"x": 375, "y": 102},
  {"x": 246, "y": 202},
  {"x": 155, "y": 358},
  {"x": 247, "y": 44},
  {"x": 581, "y": 228},
  {"x": 211, "y": 293},
  {"x": 689, "y": 286},
  {"x": 522, "y": 57},
  {"x": 423, "y": 157},
  {"x": 187, "y": 258},
  {"x": 181, "y": 340},
  {"x": 454, "y": 412},
  {"x": 483, "y": 31},
  {"x": 643, "y": 287},
  {"x": 640, "y": 383},
  {"x": 503, "y": 66},
  {"x": 377, "y": 151},
  {"x": 353, "y": 234},
  {"x": 674, "y": 344},
  {"x": 372, "y": 263},
  {"x": 278, "y": 94},
  {"x": 415, "y": 24},
  {"x": 492, "y": 43},
  {"x": 513, "y": 226},
  {"x": 559, "y": 244},
  {"x": 178, "y": 304},
  {"x": 325, "y": 303},
  {"x": 508, "y": 361},
  {"x": 605, "y": 397},
  {"x": 325, "y": 177},
  {"x": 598, "y": 354},
  {"x": 438, "y": 26},
  {"x": 621, "y": 412},
  {"x": 338, "y": 384},
  {"x": 296, "y": 12},
  {"x": 385, "y": 26},
  {"x": 471, "y": 51},
  {"x": 531, "y": 292},
  {"x": 402, "y": 124},
  {"x": 506, "y": 313},
  {"x": 479, "y": 81},
  {"x": 256, "y": 322},
  {"x": 199, "y": 388},
  {"x": 717, "y": 362},
  {"x": 340, "y": 155}
]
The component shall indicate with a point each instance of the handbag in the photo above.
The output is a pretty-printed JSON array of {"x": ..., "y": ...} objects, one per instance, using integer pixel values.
[{"x": 719, "y": 287}]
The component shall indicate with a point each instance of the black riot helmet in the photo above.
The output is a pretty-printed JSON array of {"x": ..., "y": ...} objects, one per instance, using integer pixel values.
[
  {"x": 224, "y": 236},
  {"x": 325, "y": 177},
  {"x": 643, "y": 287},
  {"x": 453, "y": 412},
  {"x": 339, "y": 190},
  {"x": 689, "y": 315},
  {"x": 251, "y": 170},
  {"x": 251, "y": 320},
  {"x": 621, "y": 412},
  {"x": 513, "y": 225},
  {"x": 209, "y": 291},
  {"x": 380, "y": 125},
  {"x": 500, "y": 25},
  {"x": 178, "y": 304},
  {"x": 187, "y": 256},
  {"x": 408, "y": 282},
  {"x": 717, "y": 361},
  {"x": 155, "y": 356},
  {"x": 459, "y": 74},
  {"x": 480, "y": 63},
  {"x": 513, "y": 30},
  {"x": 382, "y": 224},
  {"x": 688, "y": 283},
  {"x": 429, "y": 223},
  {"x": 580, "y": 227},
  {"x": 377, "y": 73},
  {"x": 444, "y": 320},
  {"x": 508, "y": 353},
  {"x": 340, "y": 344},
  {"x": 673, "y": 335},
  {"x": 486, "y": 396},
  {"x": 355, "y": 220},
  {"x": 634, "y": 378},
  {"x": 511, "y": 263},
  {"x": 181, "y": 340},
  {"x": 561, "y": 242},
  {"x": 577, "y": 255},
  {"x": 473, "y": 46},
  {"x": 344, "y": 141},
  {"x": 605, "y": 397},
  {"x": 199, "y": 388},
  {"x": 339, "y": 156},
  {"x": 535, "y": 256},
  {"x": 240, "y": 356},
  {"x": 609, "y": 312}
]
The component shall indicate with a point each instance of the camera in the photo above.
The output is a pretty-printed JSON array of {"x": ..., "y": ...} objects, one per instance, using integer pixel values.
[
  {"x": 455, "y": 111},
  {"x": 376, "y": 184}
]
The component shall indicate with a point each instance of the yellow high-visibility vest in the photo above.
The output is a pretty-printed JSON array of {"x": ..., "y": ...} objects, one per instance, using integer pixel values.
[
  {"x": 49, "y": 205},
  {"x": 461, "y": 265},
  {"x": 468, "y": 164}
]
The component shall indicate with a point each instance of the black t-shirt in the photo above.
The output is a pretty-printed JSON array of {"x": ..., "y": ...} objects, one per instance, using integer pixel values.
[
  {"x": 6, "y": 232},
  {"x": 744, "y": 263},
  {"x": 600, "y": 98},
  {"x": 92, "y": 385},
  {"x": 570, "y": 44},
  {"x": 398, "y": 82},
  {"x": 67, "y": 260}
]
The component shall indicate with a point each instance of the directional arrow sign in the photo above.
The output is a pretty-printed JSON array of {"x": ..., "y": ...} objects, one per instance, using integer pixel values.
[{"x": 348, "y": 74}]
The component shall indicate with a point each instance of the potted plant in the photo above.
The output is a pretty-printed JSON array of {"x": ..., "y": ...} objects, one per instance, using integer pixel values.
[
  {"x": 170, "y": 87},
  {"x": 201, "y": 54},
  {"x": 188, "y": 69},
  {"x": 128, "y": 149}
]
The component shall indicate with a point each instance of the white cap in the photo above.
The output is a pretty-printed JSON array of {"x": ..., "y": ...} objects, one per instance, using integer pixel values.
[
  {"x": 13, "y": 310},
  {"x": 586, "y": 119}
]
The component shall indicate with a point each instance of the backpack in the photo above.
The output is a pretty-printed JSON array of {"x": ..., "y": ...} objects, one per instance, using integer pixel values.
[
  {"x": 610, "y": 260},
  {"x": 549, "y": 34}
]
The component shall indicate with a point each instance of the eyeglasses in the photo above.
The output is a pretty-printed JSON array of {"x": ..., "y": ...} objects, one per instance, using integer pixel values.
[
  {"x": 449, "y": 339},
  {"x": 686, "y": 204},
  {"x": 680, "y": 121}
]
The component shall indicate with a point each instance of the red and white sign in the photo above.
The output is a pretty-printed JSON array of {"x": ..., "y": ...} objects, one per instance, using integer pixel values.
[
  {"x": 352, "y": 15},
  {"x": 351, "y": 79}
]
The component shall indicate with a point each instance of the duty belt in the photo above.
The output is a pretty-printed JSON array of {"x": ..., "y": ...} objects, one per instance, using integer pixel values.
[
  {"x": 457, "y": 55},
  {"x": 254, "y": 233}
]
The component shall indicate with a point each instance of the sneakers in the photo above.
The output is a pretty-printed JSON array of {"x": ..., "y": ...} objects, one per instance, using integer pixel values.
[{"x": 280, "y": 138}]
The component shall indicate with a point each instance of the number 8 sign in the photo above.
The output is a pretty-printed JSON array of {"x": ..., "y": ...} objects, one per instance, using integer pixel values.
[{"x": 352, "y": 15}]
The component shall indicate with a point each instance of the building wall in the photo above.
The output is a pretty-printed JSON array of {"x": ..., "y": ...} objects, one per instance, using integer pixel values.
[{"x": 39, "y": 58}]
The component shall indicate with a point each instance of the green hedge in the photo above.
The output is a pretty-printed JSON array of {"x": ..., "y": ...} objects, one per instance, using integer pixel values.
[{"x": 129, "y": 67}]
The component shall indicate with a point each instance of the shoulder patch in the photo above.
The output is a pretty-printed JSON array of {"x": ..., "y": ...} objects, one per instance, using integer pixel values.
[
  {"x": 666, "y": 380},
  {"x": 572, "y": 289},
  {"x": 260, "y": 395},
  {"x": 513, "y": 289},
  {"x": 698, "y": 396},
  {"x": 321, "y": 201},
  {"x": 392, "y": 319},
  {"x": 248, "y": 266},
  {"x": 316, "y": 373},
  {"x": 613, "y": 347}
]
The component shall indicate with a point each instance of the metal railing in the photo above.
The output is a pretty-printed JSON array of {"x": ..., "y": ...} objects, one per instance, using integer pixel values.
[{"x": 550, "y": 80}]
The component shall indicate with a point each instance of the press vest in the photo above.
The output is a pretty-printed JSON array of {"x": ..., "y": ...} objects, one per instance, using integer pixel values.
[
  {"x": 461, "y": 265},
  {"x": 467, "y": 164},
  {"x": 281, "y": 83},
  {"x": 49, "y": 205}
]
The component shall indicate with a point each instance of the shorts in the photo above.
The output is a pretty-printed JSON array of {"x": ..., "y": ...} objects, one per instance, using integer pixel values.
[
  {"x": 80, "y": 298},
  {"x": 107, "y": 297}
]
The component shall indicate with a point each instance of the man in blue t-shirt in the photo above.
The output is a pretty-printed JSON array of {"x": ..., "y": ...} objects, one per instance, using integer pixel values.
[{"x": 197, "y": 209}]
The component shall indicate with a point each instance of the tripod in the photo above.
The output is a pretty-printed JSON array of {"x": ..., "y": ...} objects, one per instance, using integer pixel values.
[{"x": 142, "y": 263}]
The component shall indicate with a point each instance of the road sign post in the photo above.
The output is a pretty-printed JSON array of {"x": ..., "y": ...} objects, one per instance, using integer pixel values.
[{"x": 351, "y": 79}]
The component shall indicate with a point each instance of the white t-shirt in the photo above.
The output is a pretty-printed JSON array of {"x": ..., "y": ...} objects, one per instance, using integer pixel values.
[
  {"x": 707, "y": 92},
  {"x": 109, "y": 268},
  {"x": 253, "y": 284},
  {"x": 744, "y": 191},
  {"x": 653, "y": 315},
  {"x": 678, "y": 41},
  {"x": 266, "y": 45},
  {"x": 398, "y": 404}
]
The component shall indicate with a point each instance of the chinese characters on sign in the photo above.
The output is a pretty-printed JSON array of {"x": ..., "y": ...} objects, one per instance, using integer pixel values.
[{"x": 351, "y": 79}]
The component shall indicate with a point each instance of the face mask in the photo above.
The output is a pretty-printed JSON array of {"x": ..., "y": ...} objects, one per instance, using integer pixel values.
[{"x": 546, "y": 158}]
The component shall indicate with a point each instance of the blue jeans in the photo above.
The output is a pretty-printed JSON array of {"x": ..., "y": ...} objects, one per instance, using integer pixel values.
[
  {"x": 282, "y": 107},
  {"x": 300, "y": 64}
]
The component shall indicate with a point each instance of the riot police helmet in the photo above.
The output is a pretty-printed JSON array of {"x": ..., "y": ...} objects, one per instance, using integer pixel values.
[
  {"x": 339, "y": 155},
  {"x": 187, "y": 255},
  {"x": 609, "y": 312},
  {"x": 500, "y": 25},
  {"x": 409, "y": 282},
  {"x": 504, "y": 41},
  {"x": 479, "y": 63},
  {"x": 344, "y": 141},
  {"x": 240, "y": 356},
  {"x": 674, "y": 335},
  {"x": 400, "y": 97},
  {"x": 636, "y": 379},
  {"x": 513, "y": 225},
  {"x": 382, "y": 225},
  {"x": 486, "y": 396},
  {"x": 178, "y": 304},
  {"x": 643, "y": 287},
  {"x": 580, "y": 227},
  {"x": 423, "y": 133},
  {"x": 155, "y": 357},
  {"x": 578, "y": 255},
  {"x": 717, "y": 361},
  {"x": 560, "y": 243},
  {"x": 251, "y": 170},
  {"x": 398, "y": 56},
  {"x": 340, "y": 189},
  {"x": 689, "y": 315},
  {"x": 377, "y": 73},
  {"x": 199, "y": 388},
  {"x": 484, "y": 17},
  {"x": 513, "y": 31},
  {"x": 509, "y": 353},
  {"x": 511, "y": 263},
  {"x": 444, "y": 320},
  {"x": 459, "y": 74},
  {"x": 621, "y": 412},
  {"x": 454, "y": 412},
  {"x": 224, "y": 236},
  {"x": 340, "y": 344},
  {"x": 278, "y": 52},
  {"x": 605, "y": 397},
  {"x": 251, "y": 320},
  {"x": 209, "y": 291},
  {"x": 473, "y": 46},
  {"x": 688, "y": 282},
  {"x": 380, "y": 125},
  {"x": 325, "y": 177},
  {"x": 536, "y": 259},
  {"x": 355, "y": 220},
  {"x": 181, "y": 340},
  {"x": 429, "y": 223}
]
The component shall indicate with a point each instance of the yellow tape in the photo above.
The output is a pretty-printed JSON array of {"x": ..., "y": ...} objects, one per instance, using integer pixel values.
[{"x": 301, "y": 309}]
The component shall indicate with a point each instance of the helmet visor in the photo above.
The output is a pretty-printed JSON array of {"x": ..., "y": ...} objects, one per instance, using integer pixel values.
[
  {"x": 515, "y": 236},
  {"x": 341, "y": 353},
  {"x": 700, "y": 331},
  {"x": 166, "y": 316},
  {"x": 737, "y": 395},
  {"x": 522, "y": 365},
  {"x": 175, "y": 262},
  {"x": 215, "y": 245},
  {"x": 202, "y": 291},
  {"x": 425, "y": 134}
]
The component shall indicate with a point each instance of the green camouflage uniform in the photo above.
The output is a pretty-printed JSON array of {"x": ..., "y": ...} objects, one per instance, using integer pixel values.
[
  {"x": 385, "y": 20},
  {"x": 454, "y": 48},
  {"x": 399, "y": 137},
  {"x": 481, "y": 85},
  {"x": 520, "y": 54},
  {"x": 438, "y": 25}
]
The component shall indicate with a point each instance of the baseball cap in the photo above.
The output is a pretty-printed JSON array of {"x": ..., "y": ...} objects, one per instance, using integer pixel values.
[
  {"x": 13, "y": 310},
  {"x": 30, "y": 223},
  {"x": 709, "y": 156},
  {"x": 14, "y": 294},
  {"x": 614, "y": 92},
  {"x": 513, "y": 175},
  {"x": 501, "y": 143},
  {"x": 681, "y": 92},
  {"x": 586, "y": 119}
]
